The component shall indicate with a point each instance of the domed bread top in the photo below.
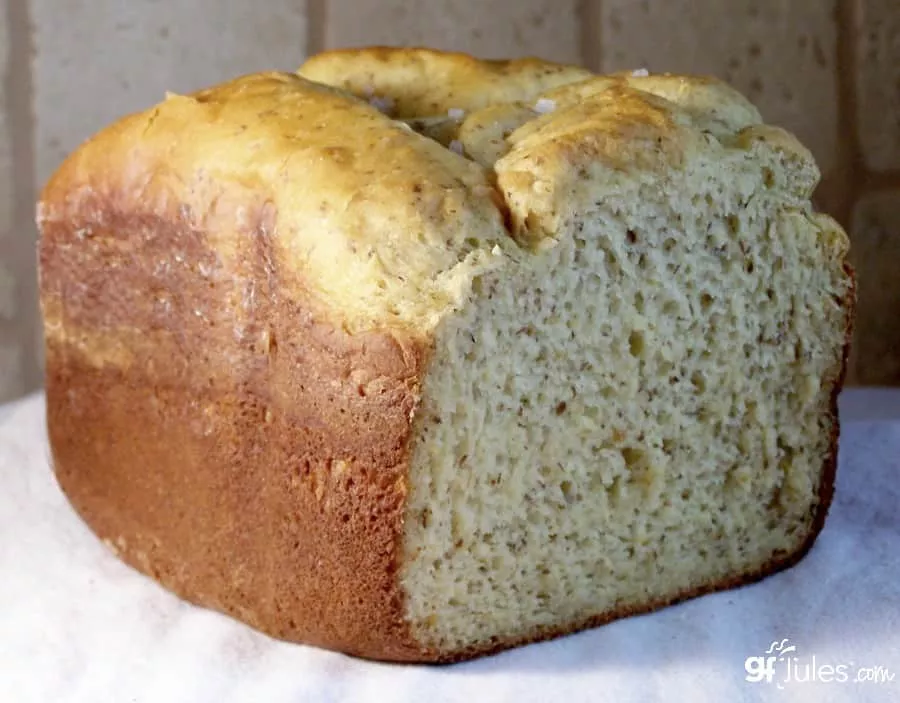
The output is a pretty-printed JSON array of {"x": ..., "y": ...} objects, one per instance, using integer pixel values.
[
  {"x": 601, "y": 138},
  {"x": 385, "y": 227},
  {"x": 709, "y": 100},
  {"x": 420, "y": 82},
  {"x": 365, "y": 214},
  {"x": 475, "y": 106}
]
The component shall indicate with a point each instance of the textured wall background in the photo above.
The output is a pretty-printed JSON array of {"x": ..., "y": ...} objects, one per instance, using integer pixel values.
[{"x": 827, "y": 69}]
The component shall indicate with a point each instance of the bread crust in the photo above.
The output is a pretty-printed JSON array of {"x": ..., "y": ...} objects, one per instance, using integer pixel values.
[
  {"x": 422, "y": 81},
  {"x": 263, "y": 480}
]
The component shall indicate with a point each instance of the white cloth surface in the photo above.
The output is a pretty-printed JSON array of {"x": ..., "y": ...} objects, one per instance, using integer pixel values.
[{"x": 76, "y": 625}]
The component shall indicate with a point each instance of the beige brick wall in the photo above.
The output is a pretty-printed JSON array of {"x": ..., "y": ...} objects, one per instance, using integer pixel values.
[
  {"x": 121, "y": 57},
  {"x": 827, "y": 69},
  {"x": 491, "y": 29},
  {"x": 878, "y": 105},
  {"x": 780, "y": 53},
  {"x": 12, "y": 377},
  {"x": 876, "y": 255}
]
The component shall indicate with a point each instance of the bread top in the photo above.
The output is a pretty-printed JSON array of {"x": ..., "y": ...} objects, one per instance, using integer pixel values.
[
  {"x": 368, "y": 217},
  {"x": 416, "y": 82},
  {"x": 383, "y": 226}
]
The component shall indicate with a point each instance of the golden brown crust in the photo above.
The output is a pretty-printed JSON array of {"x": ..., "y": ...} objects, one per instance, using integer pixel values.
[
  {"x": 386, "y": 225},
  {"x": 422, "y": 82},
  {"x": 261, "y": 474},
  {"x": 708, "y": 100}
]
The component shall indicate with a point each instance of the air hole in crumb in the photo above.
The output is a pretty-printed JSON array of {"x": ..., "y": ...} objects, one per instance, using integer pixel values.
[
  {"x": 633, "y": 457},
  {"x": 768, "y": 177},
  {"x": 706, "y": 300},
  {"x": 669, "y": 244},
  {"x": 636, "y": 343},
  {"x": 568, "y": 491},
  {"x": 561, "y": 408},
  {"x": 734, "y": 224},
  {"x": 699, "y": 381},
  {"x": 630, "y": 236},
  {"x": 532, "y": 222}
]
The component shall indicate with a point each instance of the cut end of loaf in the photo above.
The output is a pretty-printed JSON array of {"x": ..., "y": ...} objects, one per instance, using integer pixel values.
[{"x": 641, "y": 412}]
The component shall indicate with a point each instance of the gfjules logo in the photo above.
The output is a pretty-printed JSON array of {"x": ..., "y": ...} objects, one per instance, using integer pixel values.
[{"x": 782, "y": 666}]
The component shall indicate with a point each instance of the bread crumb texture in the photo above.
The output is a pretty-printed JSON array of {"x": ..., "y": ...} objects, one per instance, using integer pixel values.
[{"x": 636, "y": 323}]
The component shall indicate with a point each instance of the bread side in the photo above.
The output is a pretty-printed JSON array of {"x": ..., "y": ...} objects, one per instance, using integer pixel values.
[
  {"x": 268, "y": 485},
  {"x": 232, "y": 362}
]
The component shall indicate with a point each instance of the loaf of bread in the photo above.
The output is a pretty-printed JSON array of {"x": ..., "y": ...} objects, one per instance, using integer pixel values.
[{"x": 419, "y": 357}]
